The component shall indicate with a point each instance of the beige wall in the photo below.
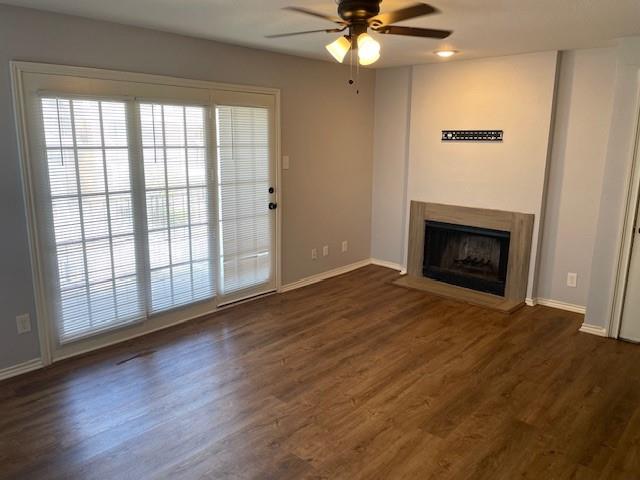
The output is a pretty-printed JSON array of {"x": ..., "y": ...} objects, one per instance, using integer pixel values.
[
  {"x": 581, "y": 132},
  {"x": 390, "y": 162},
  {"x": 326, "y": 131}
]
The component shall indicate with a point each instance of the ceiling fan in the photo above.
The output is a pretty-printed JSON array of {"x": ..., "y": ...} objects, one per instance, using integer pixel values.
[{"x": 356, "y": 17}]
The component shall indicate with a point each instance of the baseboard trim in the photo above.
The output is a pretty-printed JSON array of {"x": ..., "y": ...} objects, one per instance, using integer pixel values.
[
  {"x": 21, "y": 368},
  {"x": 593, "y": 330},
  {"x": 385, "y": 263},
  {"x": 303, "y": 282},
  {"x": 569, "y": 307}
]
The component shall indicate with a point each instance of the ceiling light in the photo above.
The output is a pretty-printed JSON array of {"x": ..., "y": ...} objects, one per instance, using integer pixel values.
[
  {"x": 446, "y": 53},
  {"x": 368, "y": 49},
  {"x": 339, "y": 48}
]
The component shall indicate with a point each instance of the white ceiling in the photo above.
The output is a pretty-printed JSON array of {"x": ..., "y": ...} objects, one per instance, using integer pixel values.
[{"x": 482, "y": 28}]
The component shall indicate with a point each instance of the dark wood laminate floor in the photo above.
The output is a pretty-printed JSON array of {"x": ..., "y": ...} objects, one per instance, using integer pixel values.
[{"x": 350, "y": 378}]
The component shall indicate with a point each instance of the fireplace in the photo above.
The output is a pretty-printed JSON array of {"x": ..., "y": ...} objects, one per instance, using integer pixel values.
[
  {"x": 467, "y": 256},
  {"x": 475, "y": 255}
]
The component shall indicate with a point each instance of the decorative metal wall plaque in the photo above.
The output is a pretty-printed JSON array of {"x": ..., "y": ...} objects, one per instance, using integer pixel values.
[{"x": 472, "y": 135}]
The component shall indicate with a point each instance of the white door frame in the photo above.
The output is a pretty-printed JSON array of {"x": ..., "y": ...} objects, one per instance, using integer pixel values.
[
  {"x": 251, "y": 99},
  {"x": 631, "y": 223},
  {"x": 18, "y": 69}
]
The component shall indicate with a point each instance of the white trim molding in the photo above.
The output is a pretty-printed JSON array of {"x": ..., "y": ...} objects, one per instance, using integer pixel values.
[
  {"x": 569, "y": 307},
  {"x": 21, "y": 368},
  {"x": 387, "y": 264},
  {"x": 303, "y": 282},
  {"x": 593, "y": 330}
]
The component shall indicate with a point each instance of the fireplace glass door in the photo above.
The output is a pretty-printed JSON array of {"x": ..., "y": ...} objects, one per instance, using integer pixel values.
[{"x": 466, "y": 256}]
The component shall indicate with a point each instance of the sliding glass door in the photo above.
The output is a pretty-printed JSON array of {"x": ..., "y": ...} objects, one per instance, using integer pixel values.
[{"x": 148, "y": 212}]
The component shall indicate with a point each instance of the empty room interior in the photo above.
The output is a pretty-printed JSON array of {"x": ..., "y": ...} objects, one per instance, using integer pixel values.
[{"x": 320, "y": 239}]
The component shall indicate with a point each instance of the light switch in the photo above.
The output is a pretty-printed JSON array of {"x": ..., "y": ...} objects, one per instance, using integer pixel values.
[{"x": 285, "y": 162}]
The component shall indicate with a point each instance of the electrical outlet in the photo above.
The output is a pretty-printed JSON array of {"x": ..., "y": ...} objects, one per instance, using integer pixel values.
[
  {"x": 572, "y": 280},
  {"x": 345, "y": 246},
  {"x": 314, "y": 254},
  {"x": 23, "y": 322},
  {"x": 325, "y": 250}
]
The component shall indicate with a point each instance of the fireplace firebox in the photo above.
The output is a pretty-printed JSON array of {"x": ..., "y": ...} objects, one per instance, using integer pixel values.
[{"x": 466, "y": 256}]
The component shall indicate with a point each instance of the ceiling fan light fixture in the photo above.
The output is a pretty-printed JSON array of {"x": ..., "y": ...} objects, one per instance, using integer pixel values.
[
  {"x": 369, "y": 60},
  {"x": 339, "y": 48},
  {"x": 368, "y": 49},
  {"x": 445, "y": 53}
]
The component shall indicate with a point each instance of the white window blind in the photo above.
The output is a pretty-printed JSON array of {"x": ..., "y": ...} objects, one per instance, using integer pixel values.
[
  {"x": 90, "y": 197},
  {"x": 245, "y": 223},
  {"x": 177, "y": 204},
  {"x": 135, "y": 215}
]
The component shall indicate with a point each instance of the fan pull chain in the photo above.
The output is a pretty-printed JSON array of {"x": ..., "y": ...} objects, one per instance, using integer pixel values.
[
  {"x": 357, "y": 79},
  {"x": 351, "y": 62}
]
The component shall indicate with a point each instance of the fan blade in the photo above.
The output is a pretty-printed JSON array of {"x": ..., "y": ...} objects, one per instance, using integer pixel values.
[
  {"x": 315, "y": 14},
  {"x": 330, "y": 30},
  {"x": 413, "y": 31},
  {"x": 417, "y": 10}
]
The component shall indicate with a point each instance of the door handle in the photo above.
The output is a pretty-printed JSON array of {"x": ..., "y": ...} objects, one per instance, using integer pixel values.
[{"x": 273, "y": 206}]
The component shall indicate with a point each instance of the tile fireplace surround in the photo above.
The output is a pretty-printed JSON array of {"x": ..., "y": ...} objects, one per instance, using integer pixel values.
[{"x": 520, "y": 228}]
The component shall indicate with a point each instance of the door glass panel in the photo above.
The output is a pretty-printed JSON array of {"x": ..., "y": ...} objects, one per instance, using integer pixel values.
[{"x": 244, "y": 174}]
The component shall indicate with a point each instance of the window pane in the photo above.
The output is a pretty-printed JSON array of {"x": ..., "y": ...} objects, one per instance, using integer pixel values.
[
  {"x": 157, "y": 209},
  {"x": 66, "y": 220},
  {"x": 95, "y": 217},
  {"x": 118, "y": 169},
  {"x": 176, "y": 167},
  {"x": 87, "y": 146},
  {"x": 159, "y": 249},
  {"x": 115, "y": 130},
  {"x": 91, "y": 166},
  {"x": 178, "y": 207},
  {"x": 86, "y": 118},
  {"x": 62, "y": 172},
  {"x": 121, "y": 213},
  {"x": 179, "y": 234},
  {"x": 154, "y": 172},
  {"x": 197, "y": 167},
  {"x": 173, "y": 125}
]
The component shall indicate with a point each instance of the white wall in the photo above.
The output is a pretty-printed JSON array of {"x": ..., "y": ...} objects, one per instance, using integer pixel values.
[
  {"x": 390, "y": 162},
  {"x": 596, "y": 109},
  {"x": 615, "y": 182},
  {"x": 514, "y": 94},
  {"x": 583, "y": 116},
  {"x": 326, "y": 192}
]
